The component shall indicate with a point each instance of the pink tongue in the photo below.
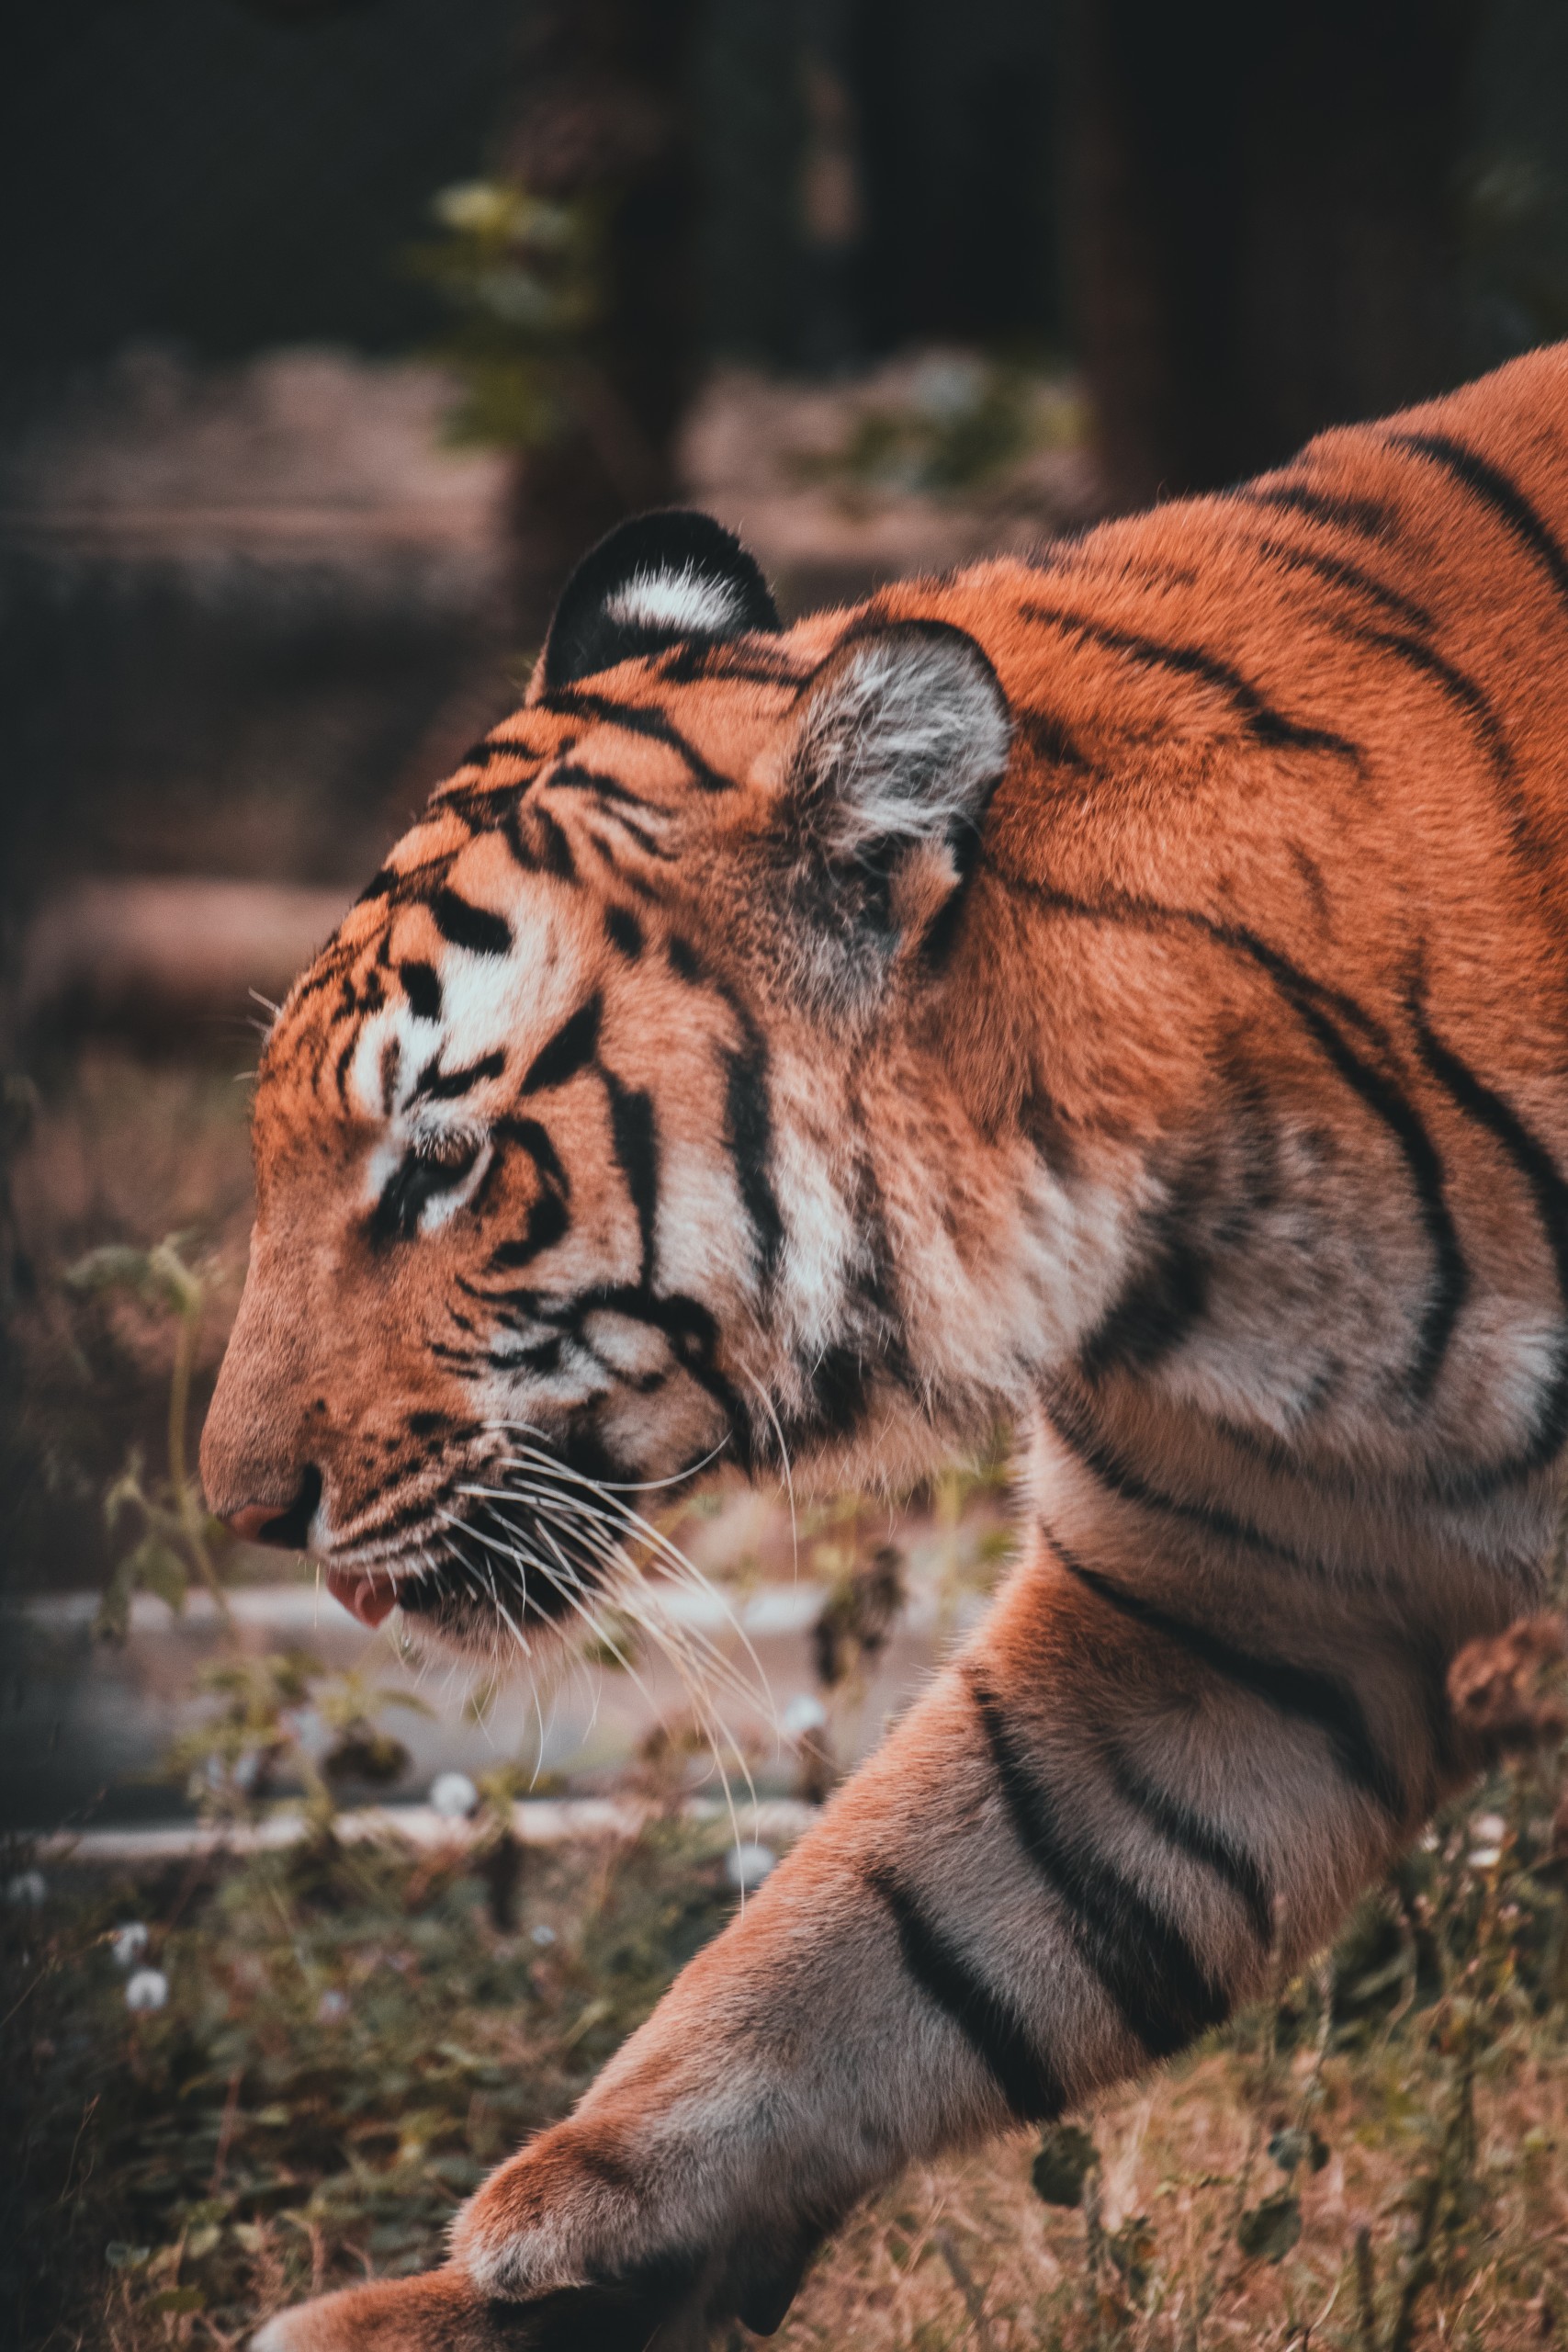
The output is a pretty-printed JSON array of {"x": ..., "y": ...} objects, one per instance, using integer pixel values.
[{"x": 368, "y": 1600}]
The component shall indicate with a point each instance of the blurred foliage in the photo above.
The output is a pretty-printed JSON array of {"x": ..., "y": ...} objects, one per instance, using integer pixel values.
[
  {"x": 179, "y": 1539},
  {"x": 963, "y": 421},
  {"x": 523, "y": 279}
]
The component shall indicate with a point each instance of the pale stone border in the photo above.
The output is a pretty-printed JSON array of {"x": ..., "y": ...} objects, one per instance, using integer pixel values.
[{"x": 535, "y": 1821}]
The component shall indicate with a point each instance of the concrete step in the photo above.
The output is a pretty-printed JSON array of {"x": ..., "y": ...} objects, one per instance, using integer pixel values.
[{"x": 85, "y": 1726}]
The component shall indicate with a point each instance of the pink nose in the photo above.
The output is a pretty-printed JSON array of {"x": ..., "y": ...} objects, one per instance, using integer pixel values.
[
  {"x": 287, "y": 1524},
  {"x": 251, "y": 1520}
]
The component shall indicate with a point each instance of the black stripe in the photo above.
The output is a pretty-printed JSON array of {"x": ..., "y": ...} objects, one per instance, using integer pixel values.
[
  {"x": 1462, "y": 692},
  {"x": 1549, "y": 1192},
  {"x": 1459, "y": 687},
  {"x": 443, "y": 1086},
  {"x": 421, "y": 985},
  {"x": 1047, "y": 736},
  {"x": 1324, "y": 1011},
  {"x": 635, "y": 1141},
  {"x": 531, "y": 1137},
  {"x": 1076, "y": 1432},
  {"x": 474, "y": 805},
  {"x": 569, "y": 1050},
  {"x": 748, "y": 1134},
  {"x": 637, "y": 719},
  {"x": 1182, "y": 1826},
  {"x": 549, "y": 1221},
  {"x": 524, "y": 852},
  {"x": 998, "y": 2037},
  {"x": 718, "y": 658},
  {"x": 839, "y": 1381},
  {"x": 1362, "y": 515},
  {"x": 1303, "y": 1693},
  {"x": 1164, "y": 1993},
  {"x": 341, "y": 1067},
  {"x": 1341, "y": 573},
  {"x": 558, "y": 856},
  {"x": 647, "y": 842},
  {"x": 688, "y": 1326},
  {"x": 1263, "y": 721},
  {"x": 621, "y": 927},
  {"x": 1494, "y": 488},
  {"x": 475, "y": 928},
  {"x": 1388, "y": 1102},
  {"x": 1164, "y": 1300},
  {"x": 573, "y": 778},
  {"x": 498, "y": 747}
]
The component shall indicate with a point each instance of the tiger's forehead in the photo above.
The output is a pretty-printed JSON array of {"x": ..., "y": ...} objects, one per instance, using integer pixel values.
[
  {"x": 489, "y": 911},
  {"x": 684, "y": 729},
  {"x": 456, "y": 954}
]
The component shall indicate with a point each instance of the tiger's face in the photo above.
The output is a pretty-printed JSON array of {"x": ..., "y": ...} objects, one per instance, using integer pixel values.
[{"x": 585, "y": 1150}]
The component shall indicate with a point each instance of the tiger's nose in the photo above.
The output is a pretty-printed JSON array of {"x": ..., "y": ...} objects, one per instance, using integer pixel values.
[{"x": 287, "y": 1524}]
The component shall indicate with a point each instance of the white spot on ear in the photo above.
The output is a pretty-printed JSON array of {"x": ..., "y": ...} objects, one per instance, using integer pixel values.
[{"x": 684, "y": 600}]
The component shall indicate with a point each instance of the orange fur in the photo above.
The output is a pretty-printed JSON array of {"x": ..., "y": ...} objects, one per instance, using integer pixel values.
[{"x": 1209, "y": 1119}]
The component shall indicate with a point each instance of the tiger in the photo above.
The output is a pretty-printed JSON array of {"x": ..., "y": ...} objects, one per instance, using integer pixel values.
[{"x": 1120, "y": 993}]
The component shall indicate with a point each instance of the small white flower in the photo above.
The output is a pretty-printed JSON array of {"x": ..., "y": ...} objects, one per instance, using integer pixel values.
[
  {"x": 148, "y": 1989},
  {"x": 331, "y": 2008},
  {"x": 1488, "y": 1829},
  {"x": 543, "y": 1935},
  {"x": 747, "y": 1865},
  {"x": 128, "y": 1943},
  {"x": 453, "y": 1795},
  {"x": 802, "y": 1715},
  {"x": 1481, "y": 1857},
  {"x": 28, "y": 1887}
]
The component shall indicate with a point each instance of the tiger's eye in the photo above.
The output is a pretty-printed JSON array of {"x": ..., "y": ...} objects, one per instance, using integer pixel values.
[{"x": 437, "y": 1167}]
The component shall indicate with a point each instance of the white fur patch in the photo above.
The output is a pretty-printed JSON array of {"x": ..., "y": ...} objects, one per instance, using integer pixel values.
[
  {"x": 683, "y": 600},
  {"x": 905, "y": 737}
]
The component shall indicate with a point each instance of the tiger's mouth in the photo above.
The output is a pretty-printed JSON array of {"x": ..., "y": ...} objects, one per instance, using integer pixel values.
[
  {"x": 515, "y": 1549},
  {"x": 491, "y": 1563}
]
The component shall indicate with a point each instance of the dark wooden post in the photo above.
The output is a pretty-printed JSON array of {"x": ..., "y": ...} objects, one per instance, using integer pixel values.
[
  {"x": 602, "y": 113},
  {"x": 1258, "y": 221}
]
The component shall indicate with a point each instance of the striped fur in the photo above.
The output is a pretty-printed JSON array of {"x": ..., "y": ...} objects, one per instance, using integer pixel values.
[{"x": 1128, "y": 992}]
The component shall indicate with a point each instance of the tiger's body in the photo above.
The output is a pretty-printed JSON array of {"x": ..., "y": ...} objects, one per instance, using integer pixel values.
[{"x": 1127, "y": 992}]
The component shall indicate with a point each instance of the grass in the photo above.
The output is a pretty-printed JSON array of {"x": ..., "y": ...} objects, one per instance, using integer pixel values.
[{"x": 1376, "y": 2158}]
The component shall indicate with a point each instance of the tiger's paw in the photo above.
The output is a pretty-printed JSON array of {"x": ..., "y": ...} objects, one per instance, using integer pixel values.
[
  {"x": 586, "y": 2221},
  {"x": 442, "y": 2311},
  {"x": 565, "y": 2250}
]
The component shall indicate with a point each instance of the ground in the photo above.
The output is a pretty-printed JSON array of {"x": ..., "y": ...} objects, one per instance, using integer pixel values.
[{"x": 348, "y": 2038}]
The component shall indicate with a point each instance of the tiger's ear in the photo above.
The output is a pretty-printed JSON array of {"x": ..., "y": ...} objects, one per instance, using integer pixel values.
[
  {"x": 898, "y": 745},
  {"x": 659, "y": 579}
]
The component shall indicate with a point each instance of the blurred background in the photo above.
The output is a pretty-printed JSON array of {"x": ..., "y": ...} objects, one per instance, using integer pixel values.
[{"x": 334, "y": 330}]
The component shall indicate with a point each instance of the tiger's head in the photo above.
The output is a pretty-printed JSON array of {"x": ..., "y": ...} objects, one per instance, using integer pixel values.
[{"x": 621, "y": 1128}]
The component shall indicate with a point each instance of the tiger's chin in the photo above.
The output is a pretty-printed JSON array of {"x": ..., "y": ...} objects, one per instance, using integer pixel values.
[{"x": 479, "y": 1612}]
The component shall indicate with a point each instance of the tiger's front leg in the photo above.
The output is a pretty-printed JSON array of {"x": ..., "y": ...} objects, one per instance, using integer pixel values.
[{"x": 1097, "y": 1833}]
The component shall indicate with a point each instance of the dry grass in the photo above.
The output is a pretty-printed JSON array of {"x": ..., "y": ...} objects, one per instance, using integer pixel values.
[{"x": 351, "y": 2039}]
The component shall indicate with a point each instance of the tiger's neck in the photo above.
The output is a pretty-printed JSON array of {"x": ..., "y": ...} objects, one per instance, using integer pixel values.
[{"x": 1118, "y": 1217}]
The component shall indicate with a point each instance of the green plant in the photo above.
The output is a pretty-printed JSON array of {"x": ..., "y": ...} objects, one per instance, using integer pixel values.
[
  {"x": 521, "y": 277},
  {"x": 282, "y": 1713},
  {"x": 963, "y": 420},
  {"x": 179, "y": 1539}
]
